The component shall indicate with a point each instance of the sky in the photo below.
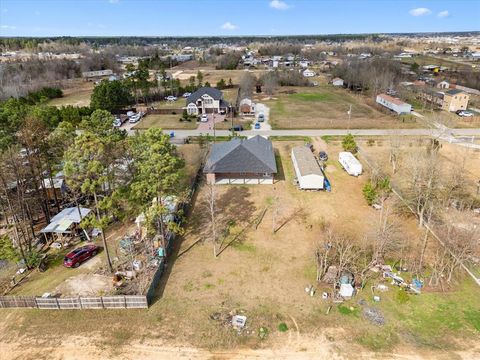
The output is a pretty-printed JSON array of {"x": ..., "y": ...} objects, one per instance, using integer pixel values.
[{"x": 233, "y": 17}]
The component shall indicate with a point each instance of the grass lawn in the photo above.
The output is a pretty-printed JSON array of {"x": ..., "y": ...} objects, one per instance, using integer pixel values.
[
  {"x": 164, "y": 122},
  {"x": 76, "y": 96},
  {"x": 327, "y": 107}
]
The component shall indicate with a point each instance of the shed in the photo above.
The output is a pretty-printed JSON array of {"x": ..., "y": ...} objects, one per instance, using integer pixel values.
[
  {"x": 61, "y": 222},
  {"x": 337, "y": 82},
  {"x": 307, "y": 170}
]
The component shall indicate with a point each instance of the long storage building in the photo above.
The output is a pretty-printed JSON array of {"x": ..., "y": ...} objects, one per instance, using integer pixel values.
[{"x": 307, "y": 170}]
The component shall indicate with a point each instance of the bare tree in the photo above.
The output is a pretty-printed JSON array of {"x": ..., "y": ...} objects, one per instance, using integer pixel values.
[{"x": 211, "y": 200}]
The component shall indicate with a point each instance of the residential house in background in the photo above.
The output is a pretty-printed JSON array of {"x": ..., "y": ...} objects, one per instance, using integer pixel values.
[
  {"x": 454, "y": 100},
  {"x": 206, "y": 100},
  {"x": 241, "y": 161},
  {"x": 443, "y": 85},
  {"x": 96, "y": 74},
  {"x": 394, "y": 104},
  {"x": 247, "y": 107}
]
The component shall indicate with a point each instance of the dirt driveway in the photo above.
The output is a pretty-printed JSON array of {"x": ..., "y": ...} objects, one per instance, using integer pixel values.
[{"x": 265, "y": 110}]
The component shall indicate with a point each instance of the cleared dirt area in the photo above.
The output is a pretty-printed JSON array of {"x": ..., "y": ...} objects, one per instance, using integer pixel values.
[
  {"x": 79, "y": 95},
  {"x": 327, "y": 107}
]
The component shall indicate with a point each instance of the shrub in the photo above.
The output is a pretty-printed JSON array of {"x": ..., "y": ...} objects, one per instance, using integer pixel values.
[
  {"x": 349, "y": 144},
  {"x": 282, "y": 327},
  {"x": 369, "y": 193}
]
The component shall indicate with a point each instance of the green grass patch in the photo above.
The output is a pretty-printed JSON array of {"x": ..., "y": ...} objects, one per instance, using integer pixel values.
[
  {"x": 291, "y": 138},
  {"x": 313, "y": 96},
  {"x": 385, "y": 339},
  {"x": 245, "y": 247},
  {"x": 282, "y": 327},
  {"x": 209, "y": 286},
  {"x": 347, "y": 310}
]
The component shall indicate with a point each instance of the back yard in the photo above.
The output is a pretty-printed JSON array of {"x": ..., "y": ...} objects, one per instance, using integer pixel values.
[
  {"x": 77, "y": 95},
  {"x": 327, "y": 107},
  {"x": 269, "y": 237}
]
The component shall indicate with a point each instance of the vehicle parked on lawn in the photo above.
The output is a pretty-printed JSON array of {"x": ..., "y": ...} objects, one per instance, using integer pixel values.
[
  {"x": 74, "y": 258},
  {"x": 187, "y": 94},
  {"x": 171, "y": 98},
  {"x": 237, "y": 128}
]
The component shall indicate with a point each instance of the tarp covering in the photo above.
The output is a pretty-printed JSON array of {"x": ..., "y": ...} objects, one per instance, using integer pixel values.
[{"x": 64, "y": 219}]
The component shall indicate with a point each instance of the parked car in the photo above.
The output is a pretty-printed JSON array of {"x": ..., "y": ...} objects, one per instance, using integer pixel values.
[
  {"x": 261, "y": 117},
  {"x": 257, "y": 126},
  {"x": 237, "y": 128},
  {"x": 464, "y": 113},
  {"x": 130, "y": 113},
  {"x": 204, "y": 118},
  {"x": 322, "y": 155},
  {"x": 133, "y": 119},
  {"x": 171, "y": 98},
  {"x": 187, "y": 94},
  {"x": 74, "y": 258},
  {"x": 117, "y": 122}
]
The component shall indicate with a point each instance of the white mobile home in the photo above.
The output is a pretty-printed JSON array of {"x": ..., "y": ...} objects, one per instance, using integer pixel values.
[
  {"x": 394, "y": 104},
  {"x": 307, "y": 170},
  {"x": 350, "y": 163}
]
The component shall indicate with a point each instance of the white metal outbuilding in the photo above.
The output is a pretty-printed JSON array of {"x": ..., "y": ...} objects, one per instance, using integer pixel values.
[
  {"x": 350, "y": 163},
  {"x": 307, "y": 170}
]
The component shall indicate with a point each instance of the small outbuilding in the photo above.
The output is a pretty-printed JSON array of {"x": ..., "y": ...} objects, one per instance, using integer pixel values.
[
  {"x": 337, "y": 82},
  {"x": 307, "y": 170},
  {"x": 309, "y": 73}
]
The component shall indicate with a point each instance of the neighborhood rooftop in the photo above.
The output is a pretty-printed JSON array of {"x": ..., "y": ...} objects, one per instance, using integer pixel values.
[
  {"x": 391, "y": 99},
  {"x": 242, "y": 156}
]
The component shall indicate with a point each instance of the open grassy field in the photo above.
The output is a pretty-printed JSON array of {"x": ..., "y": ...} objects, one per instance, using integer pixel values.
[
  {"x": 263, "y": 274},
  {"x": 326, "y": 107},
  {"x": 164, "y": 122},
  {"x": 78, "y": 95}
]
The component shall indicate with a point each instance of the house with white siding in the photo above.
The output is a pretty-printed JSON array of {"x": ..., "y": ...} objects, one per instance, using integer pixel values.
[{"x": 394, "y": 104}]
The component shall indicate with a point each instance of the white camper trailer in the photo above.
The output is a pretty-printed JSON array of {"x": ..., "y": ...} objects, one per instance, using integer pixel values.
[{"x": 350, "y": 163}]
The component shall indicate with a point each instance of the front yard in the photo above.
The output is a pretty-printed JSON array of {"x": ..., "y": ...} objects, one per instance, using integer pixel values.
[{"x": 327, "y": 107}]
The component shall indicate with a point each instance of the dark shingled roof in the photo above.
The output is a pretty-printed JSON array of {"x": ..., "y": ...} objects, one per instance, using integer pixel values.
[
  {"x": 254, "y": 155},
  {"x": 214, "y": 93},
  {"x": 454, "y": 92}
]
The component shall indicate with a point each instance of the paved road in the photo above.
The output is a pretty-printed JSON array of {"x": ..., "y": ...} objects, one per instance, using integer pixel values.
[{"x": 333, "y": 132}]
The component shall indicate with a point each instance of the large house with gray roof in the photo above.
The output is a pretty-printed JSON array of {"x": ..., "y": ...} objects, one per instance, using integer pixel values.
[
  {"x": 241, "y": 161},
  {"x": 206, "y": 100}
]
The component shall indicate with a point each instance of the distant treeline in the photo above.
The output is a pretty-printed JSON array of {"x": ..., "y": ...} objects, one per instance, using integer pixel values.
[{"x": 16, "y": 43}]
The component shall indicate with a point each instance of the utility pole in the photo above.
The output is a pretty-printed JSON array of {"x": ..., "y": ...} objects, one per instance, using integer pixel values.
[
  {"x": 230, "y": 109},
  {"x": 214, "y": 136},
  {"x": 349, "y": 112}
]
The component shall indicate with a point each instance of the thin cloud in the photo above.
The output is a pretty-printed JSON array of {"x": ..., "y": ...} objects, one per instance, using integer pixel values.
[
  {"x": 420, "y": 12},
  {"x": 443, "y": 14},
  {"x": 279, "y": 5},
  {"x": 229, "y": 26},
  {"x": 9, "y": 27},
  {"x": 113, "y": 1}
]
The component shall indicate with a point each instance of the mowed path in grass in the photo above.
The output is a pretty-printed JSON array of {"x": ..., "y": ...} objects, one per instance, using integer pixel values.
[{"x": 327, "y": 107}]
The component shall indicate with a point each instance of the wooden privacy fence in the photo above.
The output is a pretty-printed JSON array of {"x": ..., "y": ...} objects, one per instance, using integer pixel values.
[{"x": 98, "y": 302}]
